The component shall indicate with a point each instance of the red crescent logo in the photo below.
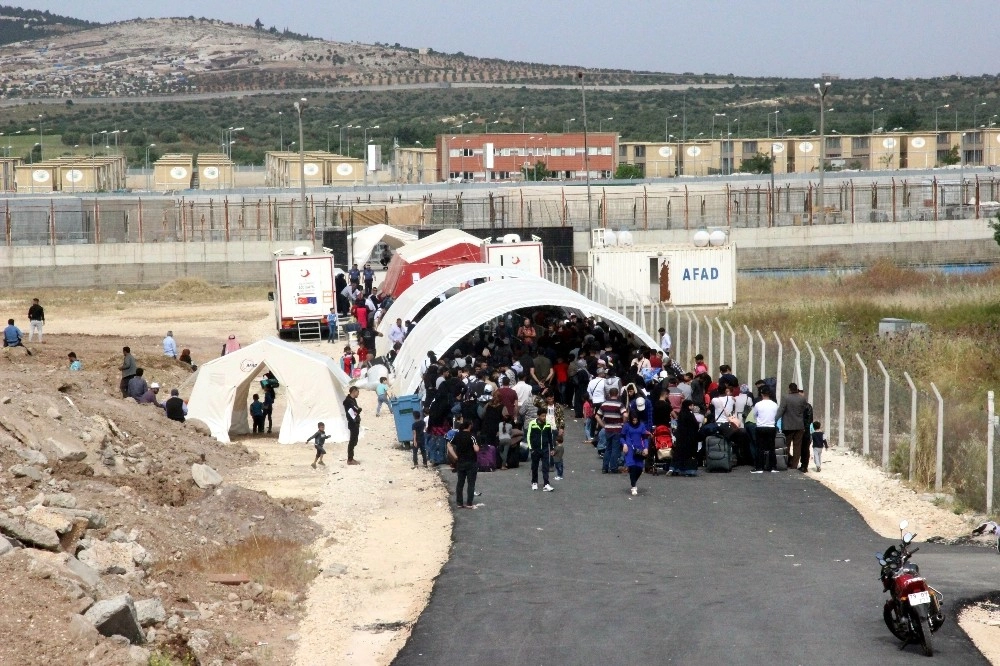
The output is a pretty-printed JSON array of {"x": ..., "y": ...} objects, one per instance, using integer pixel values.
[
  {"x": 516, "y": 261},
  {"x": 304, "y": 272}
]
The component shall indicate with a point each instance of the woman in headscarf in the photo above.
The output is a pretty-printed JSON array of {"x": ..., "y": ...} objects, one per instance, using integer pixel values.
[
  {"x": 686, "y": 441},
  {"x": 230, "y": 346}
]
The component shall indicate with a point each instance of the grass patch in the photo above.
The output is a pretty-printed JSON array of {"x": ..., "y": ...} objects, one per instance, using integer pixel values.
[
  {"x": 277, "y": 563},
  {"x": 194, "y": 291}
]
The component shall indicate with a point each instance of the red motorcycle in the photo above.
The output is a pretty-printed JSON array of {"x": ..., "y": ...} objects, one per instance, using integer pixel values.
[{"x": 913, "y": 610}]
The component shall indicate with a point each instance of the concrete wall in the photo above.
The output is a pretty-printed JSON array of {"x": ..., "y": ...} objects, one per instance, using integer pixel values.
[
  {"x": 134, "y": 265},
  {"x": 910, "y": 243}
]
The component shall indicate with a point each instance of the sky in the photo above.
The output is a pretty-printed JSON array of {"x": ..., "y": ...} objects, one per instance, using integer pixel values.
[{"x": 785, "y": 38}]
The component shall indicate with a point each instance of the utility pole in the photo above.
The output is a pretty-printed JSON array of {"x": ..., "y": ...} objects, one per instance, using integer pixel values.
[
  {"x": 822, "y": 90},
  {"x": 299, "y": 108},
  {"x": 586, "y": 162}
]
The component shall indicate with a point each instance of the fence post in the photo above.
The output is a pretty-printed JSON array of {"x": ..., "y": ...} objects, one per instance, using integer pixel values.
[
  {"x": 690, "y": 354},
  {"x": 826, "y": 384},
  {"x": 676, "y": 342},
  {"x": 763, "y": 354},
  {"x": 865, "y": 440},
  {"x": 711, "y": 333},
  {"x": 913, "y": 425},
  {"x": 777, "y": 374},
  {"x": 840, "y": 408},
  {"x": 797, "y": 375},
  {"x": 812, "y": 372},
  {"x": 939, "y": 452},
  {"x": 732, "y": 345},
  {"x": 749, "y": 357},
  {"x": 697, "y": 335},
  {"x": 722, "y": 342},
  {"x": 885, "y": 416},
  {"x": 991, "y": 412}
]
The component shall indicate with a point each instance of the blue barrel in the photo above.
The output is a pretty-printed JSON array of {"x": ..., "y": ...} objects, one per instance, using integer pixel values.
[{"x": 402, "y": 415}]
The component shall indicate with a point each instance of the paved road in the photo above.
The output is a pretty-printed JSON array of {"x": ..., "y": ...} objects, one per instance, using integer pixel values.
[{"x": 770, "y": 569}]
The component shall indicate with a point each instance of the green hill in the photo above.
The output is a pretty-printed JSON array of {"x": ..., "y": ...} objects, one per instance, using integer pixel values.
[{"x": 18, "y": 24}]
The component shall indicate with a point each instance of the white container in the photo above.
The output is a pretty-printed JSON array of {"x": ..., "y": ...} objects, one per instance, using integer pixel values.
[{"x": 678, "y": 275}]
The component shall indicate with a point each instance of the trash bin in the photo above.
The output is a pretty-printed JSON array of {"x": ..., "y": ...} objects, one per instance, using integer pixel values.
[{"x": 402, "y": 415}]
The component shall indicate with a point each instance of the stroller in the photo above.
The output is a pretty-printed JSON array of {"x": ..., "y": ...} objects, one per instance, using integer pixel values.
[{"x": 660, "y": 454}]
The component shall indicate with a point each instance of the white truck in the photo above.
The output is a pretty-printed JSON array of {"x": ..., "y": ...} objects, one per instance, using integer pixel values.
[{"x": 303, "y": 290}]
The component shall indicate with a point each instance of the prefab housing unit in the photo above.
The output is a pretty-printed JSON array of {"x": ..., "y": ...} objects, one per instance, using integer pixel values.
[{"x": 678, "y": 275}]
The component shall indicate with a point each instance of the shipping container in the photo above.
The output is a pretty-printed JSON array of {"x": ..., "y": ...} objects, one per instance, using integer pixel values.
[{"x": 678, "y": 275}]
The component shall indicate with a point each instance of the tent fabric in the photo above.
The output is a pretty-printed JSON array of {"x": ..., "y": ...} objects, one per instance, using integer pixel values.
[
  {"x": 413, "y": 300},
  {"x": 364, "y": 241},
  {"x": 447, "y": 323},
  {"x": 312, "y": 385},
  {"x": 415, "y": 261}
]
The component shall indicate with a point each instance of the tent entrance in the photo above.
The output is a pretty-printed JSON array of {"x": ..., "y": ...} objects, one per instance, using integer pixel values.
[{"x": 240, "y": 423}]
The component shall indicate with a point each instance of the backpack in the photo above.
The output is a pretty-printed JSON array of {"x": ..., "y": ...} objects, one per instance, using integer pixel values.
[{"x": 503, "y": 434}]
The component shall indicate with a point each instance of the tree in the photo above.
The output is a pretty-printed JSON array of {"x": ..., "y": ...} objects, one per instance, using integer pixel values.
[
  {"x": 538, "y": 172},
  {"x": 759, "y": 163},
  {"x": 951, "y": 157},
  {"x": 628, "y": 172}
]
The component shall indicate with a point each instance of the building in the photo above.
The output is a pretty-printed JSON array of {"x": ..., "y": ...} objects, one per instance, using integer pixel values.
[
  {"x": 173, "y": 171},
  {"x": 505, "y": 157},
  {"x": 284, "y": 169},
  {"x": 7, "y": 167},
  {"x": 414, "y": 165},
  {"x": 72, "y": 174},
  {"x": 215, "y": 171}
]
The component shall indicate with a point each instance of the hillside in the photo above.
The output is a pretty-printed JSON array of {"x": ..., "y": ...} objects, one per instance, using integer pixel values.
[
  {"x": 18, "y": 24},
  {"x": 182, "y": 55}
]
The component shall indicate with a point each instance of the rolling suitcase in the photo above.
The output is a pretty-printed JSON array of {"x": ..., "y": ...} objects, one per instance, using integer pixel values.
[
  {"x": 487, "y": 458},
  {"x": 718, "y": 454},
  {"x": 780, "y": 452}
]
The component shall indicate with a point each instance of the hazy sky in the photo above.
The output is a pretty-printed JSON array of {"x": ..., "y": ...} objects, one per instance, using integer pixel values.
[{"x": 795, "y": 38}]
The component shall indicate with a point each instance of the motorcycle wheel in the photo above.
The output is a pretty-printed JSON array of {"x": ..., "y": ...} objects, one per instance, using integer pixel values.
[
  {"x": 922, "y": 626},
  {"x": 897, "y": 628}
]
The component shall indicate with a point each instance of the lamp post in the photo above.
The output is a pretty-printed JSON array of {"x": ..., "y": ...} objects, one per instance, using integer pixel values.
[
  {"x": 874, "y": 111},
  {"x": 600, "y": 123},
  {"x": 822, "y": 90},
  {"x": 299, "y": 108},
  {"x": 975, "y": 110},
  {"x": 714, "y": 116},
  {"x": 566, "y": 124},
  {"x": 349, "y": 128},
  {"x": 281, "y": 130},
  {"x": 586, "y": 161},
  {"x": 230, "y": 142},
  {"x": 666, "y": 128},
  {"x": 152, "y": 145},
  {"x": 40, "y": 146},
  {"x": 775, "y": 114},
  {"x": 936, "y": 109},
  {"x": 328, "y": 135},
  {"x": 522, "y": 120},
  {"x": 340, "y": 149},
  {"x": 364, "y": 154},
  {"x": 961, "y": 175}
]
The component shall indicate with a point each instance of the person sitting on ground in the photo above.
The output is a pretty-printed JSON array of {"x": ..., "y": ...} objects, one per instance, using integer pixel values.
[
  {"x": 12, "y": 337},
  {"x": 74, "y": 363},
  {"x": 149, "y": 397},
  {"x": 185, "y": 357},
  {"x": 137, "y": 385},
  {"x": 170, "y": 345},
  {"x": 175, "y": 407}
]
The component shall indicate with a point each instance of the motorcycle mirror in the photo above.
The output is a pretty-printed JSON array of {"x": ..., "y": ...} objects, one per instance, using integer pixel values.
[
  {"x": 881, "y": 560},
  {"x": 907, "y": 538},
  {"x": 903, "y": 525}
]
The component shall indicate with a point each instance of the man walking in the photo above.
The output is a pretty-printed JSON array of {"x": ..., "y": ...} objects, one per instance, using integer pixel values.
[
  {"x": 539, "y": 437},
  {"x": 353, "y": 411},
  {"x": 610, "y": 417},
  {"x": 791, "y": 413},
  {"x": 36, "y": 320},
  {"x": 664, "y": 340}
]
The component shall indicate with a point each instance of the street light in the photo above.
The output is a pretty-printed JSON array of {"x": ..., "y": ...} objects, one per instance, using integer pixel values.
[
  {"x": 349, "y": 128},
  {"x": 340, "y": 148},
  {"x": 666, "y": 128},
  {"x": 152, "y": 145},
  {"x": 328, "y": 135},
  {"x": 566, "y": 124},
  {"x": 714, "y": 116},
  {"x": 229, "y": 141},
  {"x": 299, "y": 108},
  {"x": 40, "y": 146},
  {"x": 281, "y": 130},
  {"x": 586, "y": 160},
  {"x": 364, "y": 155},
  {"x": 874, "y": 111},
  {"x": 822, "y": 90},
  {"x": 600, "y": 123},
  {"x": 775, "y": 114},
  {"x": 936, "y": 109},
  {"x": 961, "y": 176}
]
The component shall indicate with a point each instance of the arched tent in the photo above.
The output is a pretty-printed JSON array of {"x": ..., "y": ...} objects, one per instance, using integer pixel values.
[
  {"x": 313, "y": 387},
  {"x": 413, "y": 300},
  {"x": 446, "y": 324},
  {"x": 362, "y": 242},
  {"x": 415, "y": 261}
]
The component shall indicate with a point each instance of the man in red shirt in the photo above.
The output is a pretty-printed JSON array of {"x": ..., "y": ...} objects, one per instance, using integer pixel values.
[{"x": 508, "y": 397}]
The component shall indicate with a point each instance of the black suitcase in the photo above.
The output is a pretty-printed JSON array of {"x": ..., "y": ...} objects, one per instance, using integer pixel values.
[{"x": 718, "y": 454}]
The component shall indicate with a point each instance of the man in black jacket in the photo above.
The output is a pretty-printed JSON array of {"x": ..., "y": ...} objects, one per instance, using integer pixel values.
[
  {"x": 463, "y": 448},
  {"x": 538, "y": 434},
  {"x": 36, "y": 320},
  {"x": 353, "y": 412}
]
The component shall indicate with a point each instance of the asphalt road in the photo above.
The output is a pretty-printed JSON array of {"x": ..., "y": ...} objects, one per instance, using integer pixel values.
[{"x": 755, "y": 569}]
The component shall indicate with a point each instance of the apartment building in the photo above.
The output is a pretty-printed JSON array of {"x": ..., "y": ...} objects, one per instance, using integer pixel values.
[{"x": 505, "y": 157}]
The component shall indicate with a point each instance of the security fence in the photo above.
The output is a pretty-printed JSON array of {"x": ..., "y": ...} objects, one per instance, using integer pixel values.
[{"x": 934, "y": 440}]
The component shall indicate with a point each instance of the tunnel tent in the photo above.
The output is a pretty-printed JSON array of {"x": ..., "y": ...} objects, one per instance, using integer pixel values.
[
  {"x": 449, "y": 322},
  {"x": 364, "y": 241},
  {"x": 312, "y": 386},
  {"x": 415, "y": 261},
  {"x": 414, "y": 299}
]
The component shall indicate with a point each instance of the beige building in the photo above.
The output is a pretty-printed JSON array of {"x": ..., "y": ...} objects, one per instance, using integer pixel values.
[
  {"x": 7, "y": 168},
  {"x": 414, "y": 165},
  {"x": 72, "y": 174},
  {"x": 173, "y": 172},
  {"x": 283, "y": 169},
  {"x": 215, "y": 171}
]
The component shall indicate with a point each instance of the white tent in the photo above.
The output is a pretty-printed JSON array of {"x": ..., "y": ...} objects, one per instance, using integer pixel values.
[
  {"x": 313, "y": 387},
  {"x": 413, "y": 300},
  {"x": 447, "y": 323},
  {"x": 364, "y": 241}
]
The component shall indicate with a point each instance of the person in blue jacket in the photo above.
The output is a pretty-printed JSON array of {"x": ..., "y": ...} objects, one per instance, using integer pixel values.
[{"x": 635, "y": 447}]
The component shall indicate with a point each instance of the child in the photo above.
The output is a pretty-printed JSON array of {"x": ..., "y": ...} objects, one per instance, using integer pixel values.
[
  {"x": 362, "y": 353},
  {"x": 382, "y": 391},
  {"x": 74, "y": 362},
  {"x": 331, "y": 324},
  {"x": 320, "y": 436},
  {"x": 347, "y": 361},
  {"x": 257, "y": 415},
  {"x": 557, "y": 457},
  {"x": 418, "y": 438},
  {"x": 699, "y": 365},
  {"x": 819, "y": 443}
]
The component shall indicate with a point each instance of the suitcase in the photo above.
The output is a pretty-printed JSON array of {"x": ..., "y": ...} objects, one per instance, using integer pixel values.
[
  {"x": 514, "y": 457},
  {"x": 718, "y": 454},
  {"x": 781, "y": 459},
  {"x": 487, "y": 458}
]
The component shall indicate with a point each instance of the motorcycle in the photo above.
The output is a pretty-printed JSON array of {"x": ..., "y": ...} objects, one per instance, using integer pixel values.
[{"x": 914, "y": 609}]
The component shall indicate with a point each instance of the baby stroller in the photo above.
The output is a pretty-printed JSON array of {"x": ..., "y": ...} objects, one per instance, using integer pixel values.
[{"x": 660, "y": 453}]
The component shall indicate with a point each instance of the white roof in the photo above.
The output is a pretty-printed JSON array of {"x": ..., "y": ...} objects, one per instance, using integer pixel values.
[
  {"x": 447, "y": 323},
  {"x": 423, "y": 291},
  {"x": 436, "y": 242},
  {"x": 312, "y": 385},
  {"x": 365, "y": 240}
]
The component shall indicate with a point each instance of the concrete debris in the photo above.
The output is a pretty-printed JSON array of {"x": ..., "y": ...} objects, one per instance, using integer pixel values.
[
  {"x": 205, "y": 477},
  {"x": 150, "y": 612},
  {"x": 29, "y": 532},
  {"x": 117, "y": 617}
]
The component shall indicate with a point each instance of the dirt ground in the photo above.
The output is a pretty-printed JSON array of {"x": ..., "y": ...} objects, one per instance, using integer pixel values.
[{"x": 378, "y": 532}]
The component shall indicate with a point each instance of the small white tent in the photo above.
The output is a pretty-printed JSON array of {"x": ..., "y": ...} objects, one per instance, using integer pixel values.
[
  {"x": 364, "y": 241},
  {"x": 312, "y": 385}
]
